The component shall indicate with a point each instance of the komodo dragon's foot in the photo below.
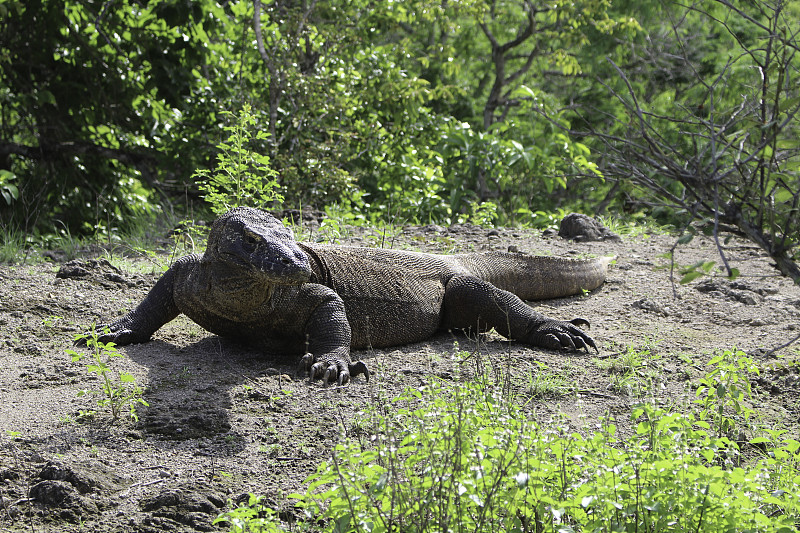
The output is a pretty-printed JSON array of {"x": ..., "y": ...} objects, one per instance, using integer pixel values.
[
  {"x": 115, "y": 333},
  {"x": 338, "y": 370},
  {"x": 558, "y": 335}
]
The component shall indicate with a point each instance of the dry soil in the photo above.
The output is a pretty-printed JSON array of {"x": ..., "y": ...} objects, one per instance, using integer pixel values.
[{"x": 224, "y": 420}]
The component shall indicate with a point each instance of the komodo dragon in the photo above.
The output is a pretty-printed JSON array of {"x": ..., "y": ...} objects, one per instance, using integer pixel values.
[{"x": 256, "y": 284}]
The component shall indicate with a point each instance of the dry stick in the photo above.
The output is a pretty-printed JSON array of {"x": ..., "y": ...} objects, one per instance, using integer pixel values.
[
  {"x": 782, "y": 346},
  {"x": 672, "y": 255}
]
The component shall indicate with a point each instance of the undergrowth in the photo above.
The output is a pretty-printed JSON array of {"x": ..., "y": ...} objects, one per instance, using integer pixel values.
[{"x": 467, "y": 458}]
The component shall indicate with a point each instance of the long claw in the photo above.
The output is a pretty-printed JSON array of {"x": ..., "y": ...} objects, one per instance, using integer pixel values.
[
  {"x": 305, "y": 362},
  {"x": 330, "y": 374},
  {"x": 580, "y": 343},
  {"x": 581, "y": 323},
  {"x": 359, "y": 367},
  {"x": 565, "y": 339}
]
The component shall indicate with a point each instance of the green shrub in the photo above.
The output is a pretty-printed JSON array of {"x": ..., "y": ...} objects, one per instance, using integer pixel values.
[
  {"x": 467, "y": 460},
  {"x": 723, "y": 389}
]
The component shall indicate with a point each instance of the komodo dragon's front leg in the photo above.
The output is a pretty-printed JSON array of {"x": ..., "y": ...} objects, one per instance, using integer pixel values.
[
  {"x": 470, "y": 302},
  {"x": 328, "y": 334},
  {"x": 154, "y": 311}
]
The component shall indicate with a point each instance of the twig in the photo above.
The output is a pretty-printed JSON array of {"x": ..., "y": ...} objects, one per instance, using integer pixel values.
[
  {"x": 142, "y": 484},
  {"x": 782, "y": 346},
  {"x": 596, "y": 394}
]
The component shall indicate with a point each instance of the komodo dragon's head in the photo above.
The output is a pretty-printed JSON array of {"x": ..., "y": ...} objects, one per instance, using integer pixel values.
[{"x": 259, "y": 246}]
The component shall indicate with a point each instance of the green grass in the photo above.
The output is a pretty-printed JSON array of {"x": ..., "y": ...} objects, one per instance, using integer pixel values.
[
  {"x": 14, "y": 247},
  {"x": 636, "y": 225},
  {"x": 632, "y": 371},
  {"x": 544, "y": 383}
]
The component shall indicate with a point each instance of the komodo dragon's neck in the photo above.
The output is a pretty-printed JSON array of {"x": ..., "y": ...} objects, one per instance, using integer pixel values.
[{"x": 231, "y": 293}]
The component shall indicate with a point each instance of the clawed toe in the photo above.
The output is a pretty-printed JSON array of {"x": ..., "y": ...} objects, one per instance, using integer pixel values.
[
  {"x": 305, "y": 363},
  {"x": 316, "y": 371},
  {"x": 331, "y": 372},
  {"x": 566, "y": 336}
]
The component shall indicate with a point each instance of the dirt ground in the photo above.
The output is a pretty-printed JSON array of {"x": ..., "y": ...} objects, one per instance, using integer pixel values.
[{"x": 224, "y": 420}]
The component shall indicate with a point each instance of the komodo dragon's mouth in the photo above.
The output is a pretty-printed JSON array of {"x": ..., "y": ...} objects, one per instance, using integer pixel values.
[
  {"x": 279, "y": 273},
  {"x": 277, "y": 268}
]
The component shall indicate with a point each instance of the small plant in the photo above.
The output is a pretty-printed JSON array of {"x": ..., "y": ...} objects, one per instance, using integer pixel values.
[
  {"x": 329, "y": 231},
  {"x": 186, "y": 238},
  {"x": 631, "y": 371},
  {"x": 723, "y": 389},
  {"x": 50, "y": 321},
  {"x": 254, "y": 517},
  {"x": 691, "y": 272},
  {"x": 114, "y": 395},
  {"x": 13, "y": 245},
  {"x": 242, "y": 177},
  {"x": 483, "y": 214},
  {"x": 545, "y": 382}
]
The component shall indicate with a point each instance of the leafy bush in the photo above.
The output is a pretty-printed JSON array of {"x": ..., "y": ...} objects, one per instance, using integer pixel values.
[
  {"x": 254, "y": 517},
  {"x": 469, "y": 460},
  {"x": 722, "y": 390}
]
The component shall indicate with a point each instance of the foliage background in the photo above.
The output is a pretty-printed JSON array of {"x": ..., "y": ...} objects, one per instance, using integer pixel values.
[{"x": 420, "y": 111}]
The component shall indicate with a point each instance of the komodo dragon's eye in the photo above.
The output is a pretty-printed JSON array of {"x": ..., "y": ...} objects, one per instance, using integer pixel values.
[{"x": 250, "y": 239}]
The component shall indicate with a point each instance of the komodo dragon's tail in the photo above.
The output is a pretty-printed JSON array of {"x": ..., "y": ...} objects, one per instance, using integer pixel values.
[{"x": 536, "y": 277}]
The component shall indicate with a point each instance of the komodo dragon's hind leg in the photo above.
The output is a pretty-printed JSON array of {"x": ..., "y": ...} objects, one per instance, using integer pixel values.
[{"x": 470, "y": 302}]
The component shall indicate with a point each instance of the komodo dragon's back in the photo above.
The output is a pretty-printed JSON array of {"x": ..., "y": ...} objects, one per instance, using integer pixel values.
[
  {"x": 257, "y": 284},
  {"x": 530, "y": 277}
]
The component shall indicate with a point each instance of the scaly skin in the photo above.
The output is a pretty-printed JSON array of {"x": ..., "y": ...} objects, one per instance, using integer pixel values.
[{"x": 256, "y": 284}]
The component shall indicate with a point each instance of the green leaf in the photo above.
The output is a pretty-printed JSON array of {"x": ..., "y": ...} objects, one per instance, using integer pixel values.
[
  {"x": 691, "y": 276},
  {"x": 45, "y": 97}
]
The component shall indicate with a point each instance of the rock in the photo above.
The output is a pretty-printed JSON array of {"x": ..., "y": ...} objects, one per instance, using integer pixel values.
[
  {"x": 432, "y": 228},
  {"x": 650, "y": 306},
  {"x": 87, "y": 477},
  {"x": 582, "y": 228},
  {"x": 736, "y": 291},
  {"x": 64, "y": 497},
  {"x": 185, "y": 506},
  {"x": 98, "y": 271}
]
